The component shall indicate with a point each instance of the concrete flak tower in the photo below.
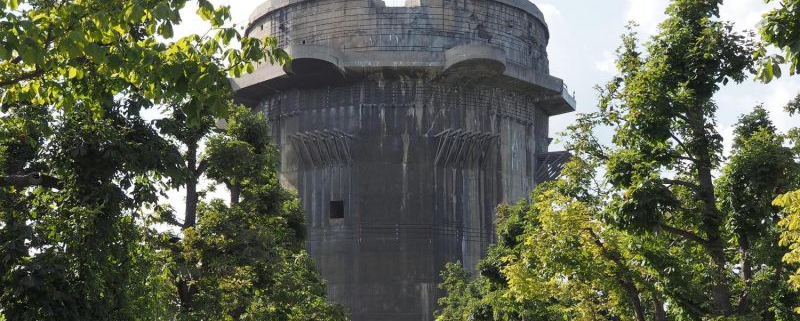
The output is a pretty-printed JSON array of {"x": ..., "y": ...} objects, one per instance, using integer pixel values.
[{"x": 402, "y": 129}]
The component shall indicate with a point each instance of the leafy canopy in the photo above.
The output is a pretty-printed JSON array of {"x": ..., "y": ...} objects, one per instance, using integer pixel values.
[
  {"x": 641, "y": 229},
  {"x": 56, "y": 52},
  {"x": 246, "y": 260},
  {"x": 780, "y": 28}
]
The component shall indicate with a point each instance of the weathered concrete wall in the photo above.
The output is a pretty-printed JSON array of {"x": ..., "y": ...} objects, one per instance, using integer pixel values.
[
  {"x": 434, "y": 26},
  {"x": 419, "y": 121}
]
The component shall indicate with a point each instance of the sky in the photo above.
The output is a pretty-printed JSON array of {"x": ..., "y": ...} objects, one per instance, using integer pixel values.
[
  {"x": 585, "y": 35},
  {"x": 583, "y": 42}
]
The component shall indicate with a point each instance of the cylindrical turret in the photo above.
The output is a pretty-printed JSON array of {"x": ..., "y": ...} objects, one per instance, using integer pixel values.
[{"x": 402, "y": 129}]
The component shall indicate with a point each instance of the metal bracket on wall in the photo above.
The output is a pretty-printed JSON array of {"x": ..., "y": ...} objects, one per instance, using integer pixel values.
[
  {"x": 550, "y": 165},
  {"x": 323, "y": 148},
  {"x": 459, "y": 148}
]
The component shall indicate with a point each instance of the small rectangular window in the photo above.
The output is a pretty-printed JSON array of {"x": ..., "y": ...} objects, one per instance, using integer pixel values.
[{"x": 337, "y": 209}]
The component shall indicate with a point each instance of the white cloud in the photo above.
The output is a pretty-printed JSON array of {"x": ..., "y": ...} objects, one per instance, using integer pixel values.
[
  {"x": 779, "y": 94},
  {"x": 607, "y": 63},
  {"x": 745, "y": 13},
  {"x": 647, "y": 13},
  {"x": 727, "y": 139},
  {"x": 736, "y": 100},
  {"x": 193, "y": 24},
  {"x": 551, "y": 13}
]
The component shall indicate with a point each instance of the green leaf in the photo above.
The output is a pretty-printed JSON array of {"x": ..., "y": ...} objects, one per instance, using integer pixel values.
[
  {"x": 162, "y": 11},
  {"x": 165, "y": 30}
]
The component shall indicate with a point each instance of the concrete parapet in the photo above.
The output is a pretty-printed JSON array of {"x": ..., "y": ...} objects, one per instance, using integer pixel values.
[{"x": 358, "y": 35}]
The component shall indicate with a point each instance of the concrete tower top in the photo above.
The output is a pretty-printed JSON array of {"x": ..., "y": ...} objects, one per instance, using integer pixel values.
[
  {"x": 272, "y": 5},
  {"x": 332, "y": 42}
]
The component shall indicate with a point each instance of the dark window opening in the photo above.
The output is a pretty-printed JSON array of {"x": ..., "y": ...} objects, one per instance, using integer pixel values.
[{"x": 337, "y": 209}]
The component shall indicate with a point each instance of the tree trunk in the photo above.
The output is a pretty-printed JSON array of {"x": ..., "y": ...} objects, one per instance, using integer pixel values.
[
  {"x": 185, "y": 295},
  {"x": 747, "y": 270},
  {"x": 712, "y": 217},
  {"x": 190, "y": 217},
  {"x": 186, "y": 292},
  {"x": 633, "y": 297},
  {"x": 658, "y": 307},
  {"x": 721, "y": 291},
  {"x": 623, "y": 275},
  {"x": 744, "y": 251},
  {"x": 32, "y": 179},
  {"x": 716, "y": 244},
  {"x": 236, "y": 190}
]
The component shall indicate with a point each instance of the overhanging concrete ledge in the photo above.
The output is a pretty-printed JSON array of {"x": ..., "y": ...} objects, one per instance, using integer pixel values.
[
  {"x": 308, "y": 59},
  {"x": 315, "y": 65},
  {"x": 476, "y": 56}
]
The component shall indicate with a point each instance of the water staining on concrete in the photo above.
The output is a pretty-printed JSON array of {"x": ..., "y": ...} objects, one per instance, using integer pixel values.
[{"x": 402, "y": 129}]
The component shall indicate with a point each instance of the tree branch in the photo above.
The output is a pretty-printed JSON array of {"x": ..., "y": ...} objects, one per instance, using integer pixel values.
[
  {"x": 682, "y": 146},
  {"x": 684, "y": 234},
  {"x": 623, "y": 274},
  {"x": 689, "y": 185},
  {"x": 685, "y": 303},
  {"x": 28, "y": 180},
  {"x": 682, "y": 117},
  {"x": 25, "y": 76},
  {"x": 201, "y": 168}
]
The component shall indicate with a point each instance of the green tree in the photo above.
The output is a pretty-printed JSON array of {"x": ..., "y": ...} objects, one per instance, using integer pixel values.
[
  {"x": 780, "y": 28},
  {"x": 557, "y": 259},
  {"x": 187, "y": 137},
  {"x": 71, "y": 245},
  {"x": 761, "y": 168},
  {"x": 80, "y": 171},
  {"x": 667, "y": 146},
  {"x": 50, "y": 48},
  {"x": 790, "y": 202},
  {"x": 564, "y": 255},
  {"x": 640, "y": 229},
  {"x": 245, "y": 260}
]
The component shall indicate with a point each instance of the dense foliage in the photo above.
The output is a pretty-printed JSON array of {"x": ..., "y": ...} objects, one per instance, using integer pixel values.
[
  {"x": 54, "y": 52},
  {"x": 781, "y": 28},
  {"x": 245, "y": 260},
  {"x": 638, "y": 230},
  {"x": 641, "y": 229},
  {"x": 71, "y": 247},
  {"x": 83, "y": 234}
]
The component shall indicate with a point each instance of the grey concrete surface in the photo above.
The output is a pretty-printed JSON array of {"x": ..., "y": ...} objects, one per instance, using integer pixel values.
[{"x": 420, "y": 120}]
